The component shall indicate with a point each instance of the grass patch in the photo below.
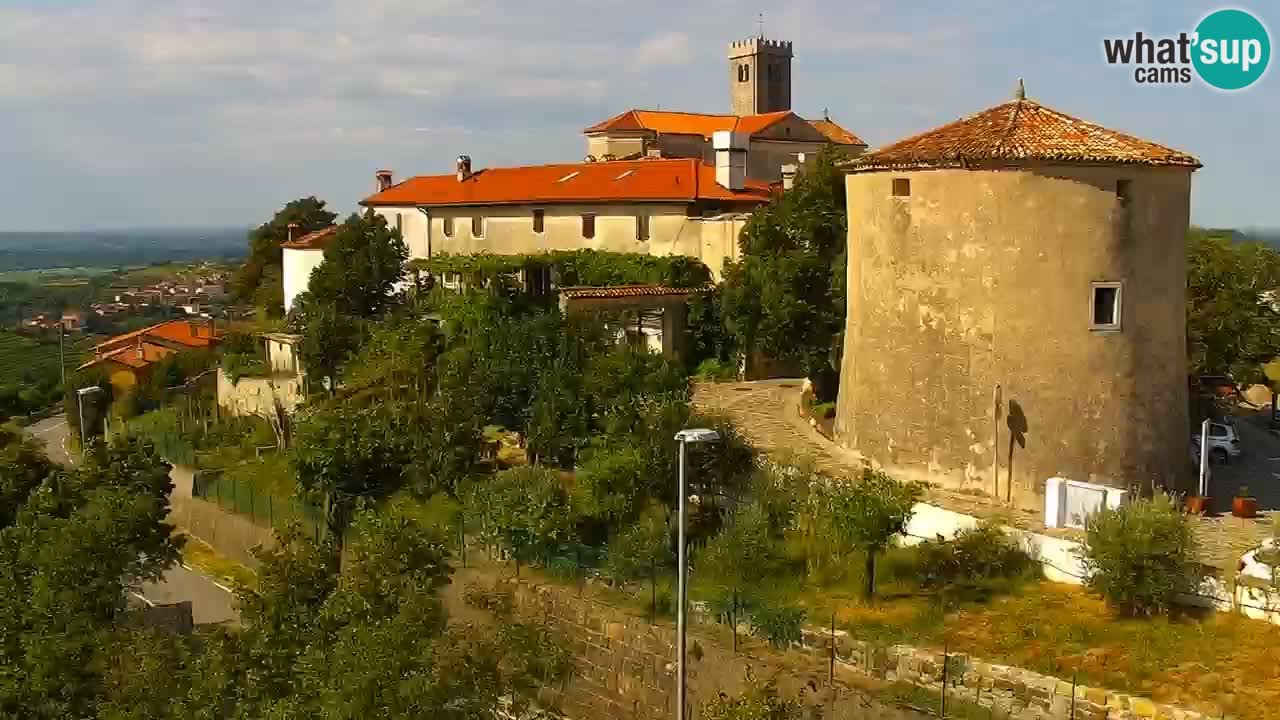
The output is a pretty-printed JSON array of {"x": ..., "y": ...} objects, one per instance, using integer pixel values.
[
  {"x": 199, "y": 555},
  {"x": 1212, "y": 662},
  {"x": 912, "y": 696}
]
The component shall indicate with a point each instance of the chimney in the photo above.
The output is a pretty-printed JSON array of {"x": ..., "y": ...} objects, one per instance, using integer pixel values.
[
  {"x": 731, "y": 158},
  {"x": 382, "y": 180},
  {"x": 464, "y": 167},
  {"x": 138, "y": 349},
  {"x": 293, "y": 228},
  {"x": 789, "y": 176}
]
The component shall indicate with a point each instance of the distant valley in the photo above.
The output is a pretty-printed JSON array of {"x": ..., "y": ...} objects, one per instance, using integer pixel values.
[{"x": 114, "y": 248}]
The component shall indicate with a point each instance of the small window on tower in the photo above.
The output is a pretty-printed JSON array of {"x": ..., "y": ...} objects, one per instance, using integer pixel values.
[
  {"x": 744, "y": 73},
  {"x": 539, "y": 217},
  {"x": 901, "y": 187},
  {"x": 1105, "y": 306},
  {"x": 447, "y": 224}
]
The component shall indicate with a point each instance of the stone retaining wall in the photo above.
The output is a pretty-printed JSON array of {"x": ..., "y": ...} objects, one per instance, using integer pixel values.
[
  {"x": 1008, "y": 691},
  {"x": 229, "y": 533},
  {"x": 625, "y": 669}
]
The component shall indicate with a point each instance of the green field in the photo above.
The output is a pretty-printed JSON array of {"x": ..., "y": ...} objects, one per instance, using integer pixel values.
[{"x": 26, "y": 360}]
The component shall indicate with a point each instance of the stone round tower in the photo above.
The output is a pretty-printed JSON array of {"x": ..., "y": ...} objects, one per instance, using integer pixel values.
[{"x": 1016, "y": 288}]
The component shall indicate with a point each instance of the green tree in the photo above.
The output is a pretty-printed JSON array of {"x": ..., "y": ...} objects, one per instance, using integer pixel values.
[
  {"x": 261, "y": 269},
  {"x": 329, "y": 338},
  {"x": 342, "y": 452},
  {"x": 398, "y": 361},
  {"x": 743, "y": 553},
  {"x": 372, "y": 642},
  {"x": 1140, "y": 556},
  {"x": 76, "y": 544},
  {"x": 362, "y": 265},
  {"x": 866, "y": 516},
  {"x": 642, "y": 550},
  {"x": 525, "y": 509},
  {"x": 23, "y": 467},
  {"x": 785, "y": 297},
  {"x": 264, "y": 251},
  {"x": 1231, "y": 319}
]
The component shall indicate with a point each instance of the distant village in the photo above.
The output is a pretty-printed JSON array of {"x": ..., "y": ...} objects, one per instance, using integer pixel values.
[{"x": 199, "y": 291}]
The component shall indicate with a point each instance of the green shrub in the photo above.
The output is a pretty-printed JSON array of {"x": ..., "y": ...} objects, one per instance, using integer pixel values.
[
  {"x": 759, "y": 702},
  {"x": 660, "y": 603},
  {"x": 974, "y": 557},
  {"x": 1140, "y": 556},
  {"x": 716, "y": 370},
  {"x": 780, "y": 626},
  {"x": 824, "y": 410}
]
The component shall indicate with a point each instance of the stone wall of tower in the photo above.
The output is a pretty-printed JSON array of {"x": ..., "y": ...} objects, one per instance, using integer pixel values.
[
  {"x": 969, "y": 346},
  {"x": 759, "y": 76}
]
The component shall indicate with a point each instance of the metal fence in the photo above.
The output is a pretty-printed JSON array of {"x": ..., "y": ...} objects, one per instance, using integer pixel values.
[{"x": 262, "y": 508}]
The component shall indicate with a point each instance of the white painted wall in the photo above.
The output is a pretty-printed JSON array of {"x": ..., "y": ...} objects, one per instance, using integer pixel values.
[
  {"x": 298, "y": 265},
  {"x": 508, "y": 229},
  {"x": 1061, "y": 562}
]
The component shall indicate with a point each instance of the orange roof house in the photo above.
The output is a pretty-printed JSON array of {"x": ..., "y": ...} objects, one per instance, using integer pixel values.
[
  {"x": 128, "y": 358},
  {"x": 683, "y": 180},
  {"x": 665, "y": 122},
  {"x": 316, "y": 240}
]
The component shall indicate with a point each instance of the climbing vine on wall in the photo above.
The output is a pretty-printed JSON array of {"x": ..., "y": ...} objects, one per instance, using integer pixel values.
[{"x": 572, "y": 268}]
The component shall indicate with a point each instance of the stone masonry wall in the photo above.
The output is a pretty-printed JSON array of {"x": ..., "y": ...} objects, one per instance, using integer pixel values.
[
  {"x": 625, "y": 669},
  {"x": 230, "y": 534}
]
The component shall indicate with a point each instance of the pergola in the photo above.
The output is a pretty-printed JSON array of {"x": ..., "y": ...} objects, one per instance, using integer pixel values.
[{"x": 651, "y": 315}]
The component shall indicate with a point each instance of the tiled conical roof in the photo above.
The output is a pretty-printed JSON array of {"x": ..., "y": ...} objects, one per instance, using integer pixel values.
[{"x": 1017, "y": 131}]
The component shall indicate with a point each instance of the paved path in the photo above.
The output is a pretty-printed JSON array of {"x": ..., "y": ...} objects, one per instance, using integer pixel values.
[
  {"x": 210, "y": 601},
  {"x": 767, "y": 412},
  {"x": 52, "y": 432}
]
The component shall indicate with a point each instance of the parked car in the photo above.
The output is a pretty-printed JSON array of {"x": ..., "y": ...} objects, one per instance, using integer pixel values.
[
  {"x": 1224, "y": 443},
  {"x": 1261, "y": 562}
]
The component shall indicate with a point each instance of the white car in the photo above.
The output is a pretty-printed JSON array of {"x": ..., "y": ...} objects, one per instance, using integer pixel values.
[
  {"x": 1224, "y": 443},
  {"x": 1262, "y": 562}
]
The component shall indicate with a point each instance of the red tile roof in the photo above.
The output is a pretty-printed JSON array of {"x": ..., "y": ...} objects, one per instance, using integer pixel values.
[
  {"x": 311, "y": 241},
  {"x": 835, "y": 133},
  {"x": 681, "y": 123},
  {"x": 620, "y": 291},
  {"x": 128, "y": 355},
  {"x": 1019, "y": 130},
  {"x": 181, "y": 332},
  {"x": 677, "y": 180}
]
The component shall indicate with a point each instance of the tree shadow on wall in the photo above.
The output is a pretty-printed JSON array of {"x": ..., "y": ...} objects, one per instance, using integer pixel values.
[{"x": 1016, "y": 420}]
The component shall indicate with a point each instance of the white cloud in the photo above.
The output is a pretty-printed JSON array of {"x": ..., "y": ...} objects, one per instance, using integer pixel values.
[
  {"x": 217, "y": 111},
  {"x": 665, "y": 48}
]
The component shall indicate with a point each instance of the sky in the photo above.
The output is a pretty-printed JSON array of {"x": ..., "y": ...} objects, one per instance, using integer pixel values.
[{"x": 200, "y": 113}]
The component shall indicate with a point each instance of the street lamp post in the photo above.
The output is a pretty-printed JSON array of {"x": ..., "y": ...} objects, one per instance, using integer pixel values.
[
  {"x": 685, "y": 437},
  {"x": 80, "y": 394}
]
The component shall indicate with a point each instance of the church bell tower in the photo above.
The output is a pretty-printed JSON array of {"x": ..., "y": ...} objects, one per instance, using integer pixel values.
[{"x": 759, "y": 76}]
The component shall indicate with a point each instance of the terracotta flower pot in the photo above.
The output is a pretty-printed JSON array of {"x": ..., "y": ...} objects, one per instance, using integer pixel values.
[
  {"x": 1244, "y": 507},
  {"x": 1197, "y": 505}
]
